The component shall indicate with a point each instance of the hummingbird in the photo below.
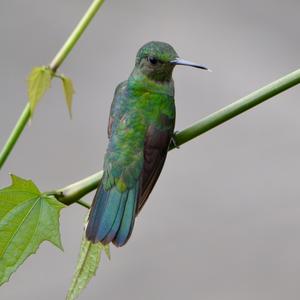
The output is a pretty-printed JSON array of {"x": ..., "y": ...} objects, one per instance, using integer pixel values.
[{"x": 140, "y": 130}]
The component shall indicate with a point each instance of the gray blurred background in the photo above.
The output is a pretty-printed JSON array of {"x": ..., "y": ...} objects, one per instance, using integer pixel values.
[{"x": 224, "y": 219}]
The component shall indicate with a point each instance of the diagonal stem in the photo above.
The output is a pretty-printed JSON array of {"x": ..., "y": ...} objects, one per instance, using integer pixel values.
[
  {"x": 75, "y": 191},
  {"x": 238, "y": 107},
  {"x": 75, "y": 35},
  {"x": 54, "y": 65},
  {"x": 15, "y": 134}
]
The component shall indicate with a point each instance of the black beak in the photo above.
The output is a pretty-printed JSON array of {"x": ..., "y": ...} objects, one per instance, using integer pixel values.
[{"x": 183, "y": 62}]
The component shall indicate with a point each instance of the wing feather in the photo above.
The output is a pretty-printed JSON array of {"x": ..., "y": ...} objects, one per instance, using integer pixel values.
[{"x": 155, "y": 152}]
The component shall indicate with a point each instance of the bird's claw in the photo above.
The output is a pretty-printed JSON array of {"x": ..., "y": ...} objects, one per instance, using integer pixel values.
[{"x": 173, "y": 143}]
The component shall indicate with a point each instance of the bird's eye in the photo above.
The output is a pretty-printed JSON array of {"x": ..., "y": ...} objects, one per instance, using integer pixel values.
[{"x": 152, "y": 60}]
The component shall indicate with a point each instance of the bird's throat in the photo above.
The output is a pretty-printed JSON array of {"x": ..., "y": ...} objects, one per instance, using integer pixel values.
[{"x": 139, "y": 82}]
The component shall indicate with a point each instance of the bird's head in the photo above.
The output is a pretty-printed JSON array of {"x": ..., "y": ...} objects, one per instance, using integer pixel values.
[{"x": 156, "y": 60}]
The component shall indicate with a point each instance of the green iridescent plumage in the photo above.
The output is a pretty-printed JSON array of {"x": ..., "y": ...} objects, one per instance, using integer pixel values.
[
  {"x": 141, "y": 125},
  {"x": 137, "y": 110}
]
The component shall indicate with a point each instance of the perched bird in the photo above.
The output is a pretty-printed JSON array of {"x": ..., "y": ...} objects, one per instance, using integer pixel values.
[{"x": 140, "y": 128}]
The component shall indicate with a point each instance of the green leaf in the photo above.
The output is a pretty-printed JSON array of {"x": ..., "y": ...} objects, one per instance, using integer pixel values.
[
  {"x": 87, "y": 265},
  {"x": 68, "y": 91},
  {"x": 39, "y": 81},
  {"x": 27, "y": 218}
]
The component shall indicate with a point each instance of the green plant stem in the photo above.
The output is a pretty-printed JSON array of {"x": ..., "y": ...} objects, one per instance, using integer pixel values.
[
  {"x": 19, "y": 127},
  {"x": 238, "y": 107},
  {"x": 54, "y": 65},
  {"x": 75, "y": 35},
  {"x": 83, "y": 203},
  {"x": 75, "y": 191}
]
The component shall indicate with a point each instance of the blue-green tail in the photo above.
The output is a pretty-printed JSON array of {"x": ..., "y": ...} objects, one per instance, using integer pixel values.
[{"x": 112, "y": 216}]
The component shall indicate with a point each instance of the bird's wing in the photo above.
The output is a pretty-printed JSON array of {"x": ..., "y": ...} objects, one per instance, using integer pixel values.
[
  {"x": 117, "y": 108},
  {"x": 155, "y": 152}
]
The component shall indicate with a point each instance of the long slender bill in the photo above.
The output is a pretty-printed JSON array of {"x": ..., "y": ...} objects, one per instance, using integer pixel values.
[{"x": 183, "y": 62}]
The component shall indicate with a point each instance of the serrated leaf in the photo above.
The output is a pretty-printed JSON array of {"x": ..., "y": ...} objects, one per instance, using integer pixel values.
[
  {"x": 68, "y": 91},
  {"x": 39, "y": 81},
  {"x": 87, "y": 265},
  {"x": 27, "y": 218}
]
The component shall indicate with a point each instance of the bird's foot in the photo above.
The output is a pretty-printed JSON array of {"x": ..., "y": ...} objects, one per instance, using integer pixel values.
[{"x": 173, "y": 143}]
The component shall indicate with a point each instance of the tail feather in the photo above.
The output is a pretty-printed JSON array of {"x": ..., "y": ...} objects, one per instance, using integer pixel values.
[
  {"x": 115, "y": 227},
  {"x": 112, "y": 216},
  {"x": 95, "y": 214},
  {"x": 109, "y": 213},
  {"x": 128, "y": 219}
]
